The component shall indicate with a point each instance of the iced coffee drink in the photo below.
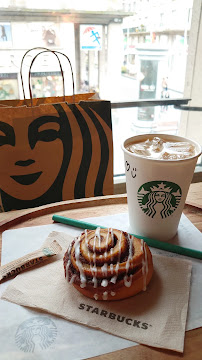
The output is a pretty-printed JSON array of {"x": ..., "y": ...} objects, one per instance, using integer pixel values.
[
  {"x": 161, "y": 149},
  {"x": 159, "y": 169}
]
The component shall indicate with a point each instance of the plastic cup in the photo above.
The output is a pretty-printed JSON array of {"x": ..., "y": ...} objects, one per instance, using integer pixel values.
[{"x": 157, "y": 189}]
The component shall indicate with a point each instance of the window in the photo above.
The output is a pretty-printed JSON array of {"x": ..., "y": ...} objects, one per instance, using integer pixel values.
[
  {"x": 190, "y": 124},
  {"x": 46, "y": 84},
  {"x": 122, "y": 50},
  {"x": 8, "y": 86},
  {"x": 162, "y": 19}
]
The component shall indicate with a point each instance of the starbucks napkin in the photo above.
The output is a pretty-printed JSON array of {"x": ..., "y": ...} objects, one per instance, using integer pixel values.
[{"x": 156, "y": 317}]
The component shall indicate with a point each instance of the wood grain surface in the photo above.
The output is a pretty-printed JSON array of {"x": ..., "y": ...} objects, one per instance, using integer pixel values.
[{"x": 100, "y": 206}]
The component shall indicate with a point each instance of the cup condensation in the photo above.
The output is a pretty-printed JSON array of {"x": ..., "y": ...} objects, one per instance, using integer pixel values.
[{"x": 157, "y": 189}]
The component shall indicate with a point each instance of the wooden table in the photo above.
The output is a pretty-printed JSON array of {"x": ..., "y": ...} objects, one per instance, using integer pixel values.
[{"x": 100, "y": 206}]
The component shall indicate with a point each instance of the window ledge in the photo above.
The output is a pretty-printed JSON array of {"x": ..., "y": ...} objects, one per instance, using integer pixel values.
[{"x": 120, "y": 181}]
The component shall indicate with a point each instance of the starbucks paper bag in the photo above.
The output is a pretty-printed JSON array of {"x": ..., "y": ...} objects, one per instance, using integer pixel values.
[
  {"x": 156, "y": 317},
  {"x": 54, "y": 149}
]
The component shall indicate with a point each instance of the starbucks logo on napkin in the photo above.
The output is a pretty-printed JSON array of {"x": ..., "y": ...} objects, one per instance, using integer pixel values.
[
  {"x": 36, "y": 333},
  {"x": 161, "y": 197}
]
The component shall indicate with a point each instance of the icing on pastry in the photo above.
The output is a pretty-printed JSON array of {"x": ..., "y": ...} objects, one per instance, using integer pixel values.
[{"x": 108, "y": 264}]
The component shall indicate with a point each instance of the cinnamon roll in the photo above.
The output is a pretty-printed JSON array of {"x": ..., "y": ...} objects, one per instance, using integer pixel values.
[{"x": 108, "y": 264}]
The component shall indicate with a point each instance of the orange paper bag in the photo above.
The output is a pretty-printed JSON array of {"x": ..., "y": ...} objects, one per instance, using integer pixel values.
[{"x": 54, "y": 149}]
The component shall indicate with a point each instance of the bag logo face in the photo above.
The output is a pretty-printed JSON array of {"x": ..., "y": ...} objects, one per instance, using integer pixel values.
[
  {"x": 32, "y": 155},
  {"x": 55, "y": 152},
  {"x": 159, "y": 197}
]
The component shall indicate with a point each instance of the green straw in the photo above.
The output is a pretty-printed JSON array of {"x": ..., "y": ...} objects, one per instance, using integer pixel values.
[{"x": 150, "y": 242}]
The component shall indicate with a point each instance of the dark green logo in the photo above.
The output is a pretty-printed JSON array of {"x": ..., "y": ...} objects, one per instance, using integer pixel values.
[
  {"x": 159, "y": 197},
  {"x": 47, "y": 252}
]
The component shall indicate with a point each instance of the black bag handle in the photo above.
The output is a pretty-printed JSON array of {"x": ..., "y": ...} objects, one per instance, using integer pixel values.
[
  {"x": 21, "y": 65},
  {"x": 62, "y": 73}
]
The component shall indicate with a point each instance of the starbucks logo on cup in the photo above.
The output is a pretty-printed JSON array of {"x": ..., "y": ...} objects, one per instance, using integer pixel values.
[
  {"x": 37, "y": 333},
  {"x": 159, "y": 197}
]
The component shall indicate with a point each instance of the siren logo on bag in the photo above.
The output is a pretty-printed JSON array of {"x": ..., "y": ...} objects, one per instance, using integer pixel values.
[
  {"x": 55, "y": 152},
  {"x": 37, "y": 333},
  {"x": 159, "y": 197}
]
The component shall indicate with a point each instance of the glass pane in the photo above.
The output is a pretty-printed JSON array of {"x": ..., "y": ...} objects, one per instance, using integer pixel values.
[
  {"x": 121, "y": 50},
  {"x": 9, "y": 87},
  {"x": 46, "y": 84}
]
